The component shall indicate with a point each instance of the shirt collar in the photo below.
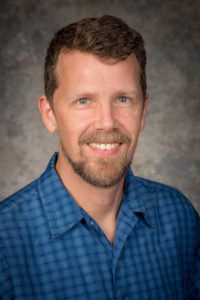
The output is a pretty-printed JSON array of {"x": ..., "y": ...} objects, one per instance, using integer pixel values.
[
  {"x": 136, "y": 196},
  {"x": 61, "y": 210}
]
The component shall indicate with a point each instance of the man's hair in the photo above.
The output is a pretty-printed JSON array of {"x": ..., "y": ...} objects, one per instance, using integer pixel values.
[{"x": 106, "y": 37}]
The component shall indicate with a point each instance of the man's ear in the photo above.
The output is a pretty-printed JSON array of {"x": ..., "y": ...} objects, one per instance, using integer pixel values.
[
  {"x": 47, "y": 113},
  {"x": 146, "y": 103}
]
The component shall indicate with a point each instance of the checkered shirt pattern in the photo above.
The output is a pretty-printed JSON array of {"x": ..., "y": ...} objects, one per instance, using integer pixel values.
[{"x": 50, "y": 248}]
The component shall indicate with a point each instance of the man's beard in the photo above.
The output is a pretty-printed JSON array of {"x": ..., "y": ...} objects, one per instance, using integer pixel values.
[{"x": 102, "y": 172}]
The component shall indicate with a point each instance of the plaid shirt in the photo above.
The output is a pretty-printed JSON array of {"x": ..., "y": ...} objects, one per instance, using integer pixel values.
[{"x": 50, "y": 248}]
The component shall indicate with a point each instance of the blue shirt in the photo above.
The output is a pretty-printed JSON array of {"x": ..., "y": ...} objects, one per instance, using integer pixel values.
[{"x": 50, "y": 248}]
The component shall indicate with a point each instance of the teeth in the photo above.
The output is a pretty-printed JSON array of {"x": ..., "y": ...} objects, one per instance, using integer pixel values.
[{"x": 104, "y": 146}]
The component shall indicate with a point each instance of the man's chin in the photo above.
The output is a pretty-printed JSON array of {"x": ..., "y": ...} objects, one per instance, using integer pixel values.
[
  {"x": 103, "y": 174},
  {"x": 103, "y": 180}
]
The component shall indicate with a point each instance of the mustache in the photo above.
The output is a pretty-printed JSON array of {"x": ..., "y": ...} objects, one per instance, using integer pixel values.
[{"x": 111, "y": 137}]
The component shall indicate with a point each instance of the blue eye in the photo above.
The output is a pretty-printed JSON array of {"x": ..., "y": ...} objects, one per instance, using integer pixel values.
[
  {"x": 83, "y": 101},
  {"x": 123, "y": 99}
]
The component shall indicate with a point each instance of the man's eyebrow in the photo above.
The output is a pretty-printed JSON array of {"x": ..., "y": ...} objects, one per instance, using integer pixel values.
[
  {"x": 114, "y": 94},
  {"x": 83, "y": 94},
  {"x": 126, "y": 91}
]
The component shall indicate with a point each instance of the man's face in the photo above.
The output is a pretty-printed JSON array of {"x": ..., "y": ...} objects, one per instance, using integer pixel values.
[{"x": 99, "y": 112}]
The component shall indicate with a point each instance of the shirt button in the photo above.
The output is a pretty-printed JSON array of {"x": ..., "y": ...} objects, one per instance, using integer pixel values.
[{"x": 92, "y": 223}]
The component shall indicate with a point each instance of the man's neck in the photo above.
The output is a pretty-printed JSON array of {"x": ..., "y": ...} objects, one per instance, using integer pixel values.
[{"x": 102, "y": 204}]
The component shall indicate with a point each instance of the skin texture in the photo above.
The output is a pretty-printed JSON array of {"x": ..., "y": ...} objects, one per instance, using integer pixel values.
[{"x": 98, "y": 104}]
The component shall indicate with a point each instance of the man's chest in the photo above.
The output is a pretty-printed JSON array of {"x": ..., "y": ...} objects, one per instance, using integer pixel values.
[{"x": 82, "y": 264}]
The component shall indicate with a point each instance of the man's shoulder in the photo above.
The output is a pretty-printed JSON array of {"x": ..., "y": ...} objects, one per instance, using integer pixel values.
[
  {"x": 20, "y": 201},
  {"x": 152, "y": 184},
  {"x": 26, "y": 195},
  {"x": 159, "y": 198},
  {"x": 165, "y": 202},
  {"x": 20, "y": 216},
  {"x": 160, "y": 189}
]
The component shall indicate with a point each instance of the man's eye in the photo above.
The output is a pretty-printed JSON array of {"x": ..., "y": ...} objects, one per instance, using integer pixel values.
[
  {"x": 123, "y": 99},
  {"x": 83, "y": 101}
]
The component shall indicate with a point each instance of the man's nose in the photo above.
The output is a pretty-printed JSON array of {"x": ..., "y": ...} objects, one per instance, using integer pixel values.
[{"x": 105, "y": 117}]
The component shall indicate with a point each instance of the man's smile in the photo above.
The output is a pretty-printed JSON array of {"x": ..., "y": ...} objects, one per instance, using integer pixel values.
[
  {"x": 105, "y": 149},
  {"x": 104, "y": 146}
]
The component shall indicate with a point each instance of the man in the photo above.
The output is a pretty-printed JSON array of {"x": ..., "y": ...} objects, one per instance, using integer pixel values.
[{"x": 88, "y": 228}]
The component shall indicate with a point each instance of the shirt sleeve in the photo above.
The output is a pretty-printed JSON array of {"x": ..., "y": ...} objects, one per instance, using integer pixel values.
[{"x": 5, "y": 279}]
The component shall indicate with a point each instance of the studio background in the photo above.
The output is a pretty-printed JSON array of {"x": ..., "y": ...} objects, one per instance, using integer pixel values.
[{"x": 169, "y": 147}]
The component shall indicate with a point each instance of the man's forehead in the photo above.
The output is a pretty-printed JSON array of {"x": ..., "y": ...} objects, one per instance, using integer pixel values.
[
  {"x": 66, "y": 54},
  {"x": 77, "y": 63}
]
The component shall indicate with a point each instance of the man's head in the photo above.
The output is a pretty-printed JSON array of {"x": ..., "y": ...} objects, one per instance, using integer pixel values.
[
  {"x": 96, "y": 98},
  {"x": 106, "y": 37}
]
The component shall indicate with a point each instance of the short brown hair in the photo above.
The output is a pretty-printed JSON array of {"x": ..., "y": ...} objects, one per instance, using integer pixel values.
[{"x": 106, "y": 37}]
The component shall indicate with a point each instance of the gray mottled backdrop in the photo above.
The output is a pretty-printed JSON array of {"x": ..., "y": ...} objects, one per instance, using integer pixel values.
[{"x": 169, "y": 147}]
